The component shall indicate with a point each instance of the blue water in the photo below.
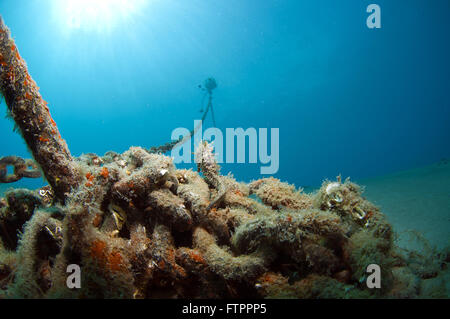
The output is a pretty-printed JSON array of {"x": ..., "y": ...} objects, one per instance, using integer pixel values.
[{"x": 347, "y": 99}]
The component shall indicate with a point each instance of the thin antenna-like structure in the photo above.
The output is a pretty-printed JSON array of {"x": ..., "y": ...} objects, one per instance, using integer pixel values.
[
  {"x": 212, "y": 110},
  {"x": 171, "y": 145}
]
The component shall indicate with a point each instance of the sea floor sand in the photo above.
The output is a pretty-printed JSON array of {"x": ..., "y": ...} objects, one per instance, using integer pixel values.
[{"x": 416, "y": 199}]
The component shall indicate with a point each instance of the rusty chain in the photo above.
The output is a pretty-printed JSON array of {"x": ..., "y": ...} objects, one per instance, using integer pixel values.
[{"x": 22, "y": 168}]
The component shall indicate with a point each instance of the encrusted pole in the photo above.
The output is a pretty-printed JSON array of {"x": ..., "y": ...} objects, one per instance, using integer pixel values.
[{"x": 32, "y": 117}]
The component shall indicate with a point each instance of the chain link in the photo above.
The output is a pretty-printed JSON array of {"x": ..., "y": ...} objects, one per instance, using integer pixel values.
[{"x": 22, "y": 168}]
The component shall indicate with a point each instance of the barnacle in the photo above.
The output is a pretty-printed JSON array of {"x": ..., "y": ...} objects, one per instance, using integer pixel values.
[{"x": 119, "y": 216}]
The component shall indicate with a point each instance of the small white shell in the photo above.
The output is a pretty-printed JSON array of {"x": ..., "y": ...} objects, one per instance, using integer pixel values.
[
  {"x": 122, "y": 163},
  {"x": 331, "y": 187}
]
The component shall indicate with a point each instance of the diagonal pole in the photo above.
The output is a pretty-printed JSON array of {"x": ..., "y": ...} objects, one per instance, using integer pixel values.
[{"x": 32, "y": 118}]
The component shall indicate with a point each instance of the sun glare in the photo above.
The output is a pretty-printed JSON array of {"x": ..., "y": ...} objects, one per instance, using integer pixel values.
[{"x": 96, "y": 15}]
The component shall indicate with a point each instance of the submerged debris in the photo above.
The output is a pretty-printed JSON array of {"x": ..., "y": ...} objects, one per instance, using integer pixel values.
[
  {"x": 140, "y": 228},
  {"x": 148, "y": 230}
]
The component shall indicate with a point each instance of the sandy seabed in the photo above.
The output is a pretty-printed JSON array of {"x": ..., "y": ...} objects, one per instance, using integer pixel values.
[{"x": 416, "y": 199}]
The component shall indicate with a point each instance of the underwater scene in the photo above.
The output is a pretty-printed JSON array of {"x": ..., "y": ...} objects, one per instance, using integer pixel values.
[{"x": 212, "y": 149}]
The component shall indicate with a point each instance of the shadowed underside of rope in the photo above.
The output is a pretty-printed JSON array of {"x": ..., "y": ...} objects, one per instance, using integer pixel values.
[{"x": 32, "y": 117}]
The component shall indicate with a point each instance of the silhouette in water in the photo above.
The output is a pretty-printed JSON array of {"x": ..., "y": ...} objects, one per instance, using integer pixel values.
[{"x": 209, "y": 85}]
